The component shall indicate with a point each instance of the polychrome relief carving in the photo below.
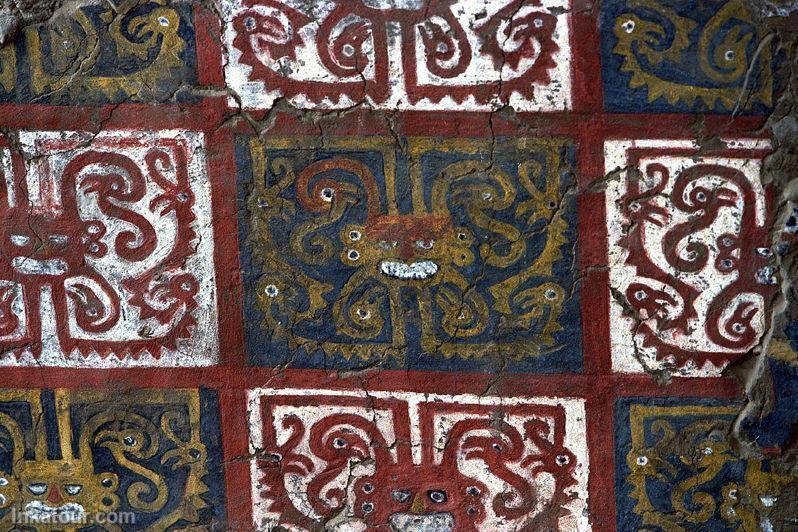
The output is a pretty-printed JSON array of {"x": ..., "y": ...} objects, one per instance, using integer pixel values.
[
  {"x": 125, "y": 51},
  {"x": 448, "y": 254},
  {"x": 691, "y": 269},
  {"x": 678, "y": 469},
  {"x": 417, "y": 462},
  {"x": 407, "y": 54},
  {"x": 79, "y": 460},
  {"x": 107, "y": 250},
  {"x": 685, "y": 56}
]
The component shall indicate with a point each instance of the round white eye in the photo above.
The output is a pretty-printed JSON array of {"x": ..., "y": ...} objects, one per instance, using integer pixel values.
[
  {"x": 354, "y": 235},
  {"x": 271, "y": 290},
  {"x": 37, "y": 488},
  {"x": 425, "y": 244},
  {"x": 642, "y": 460},
  {"x": 73, "y": 489},
  {"x": 327, "y": 194},
  {"x": 19, "y": 240},
  {"x": 401, "y": 495},
  {"x": 629, "y": 26},
  {"x": 437, "y": 496}
]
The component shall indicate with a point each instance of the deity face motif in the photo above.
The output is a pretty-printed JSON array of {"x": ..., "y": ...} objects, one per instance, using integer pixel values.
[
  {"x": 49, "y": 249},
  {"x": 410, "y": 254},
  {"x": 420, "y": 498},
  {"x": 349, "y": 463},
  {"x": 69, "y": 213},
  {"x": 407, "y": 247},
  {"x": 58, "y": 493}
]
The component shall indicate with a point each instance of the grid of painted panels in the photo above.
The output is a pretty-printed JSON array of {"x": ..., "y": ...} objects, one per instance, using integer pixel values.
[{"x": 428, "y": 289}]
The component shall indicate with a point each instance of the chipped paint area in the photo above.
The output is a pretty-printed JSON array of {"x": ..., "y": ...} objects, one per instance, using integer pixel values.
[
  {"x": 350, "y": 461},
  {"x": 690, "y": 265},
  {"x": 127, "y": 51},
  {"x": 679, "y": 470},
  {"x": 683, "y": 56},
  {"x": 108, "y": 251},
  {"x": 455, "y": 55}
]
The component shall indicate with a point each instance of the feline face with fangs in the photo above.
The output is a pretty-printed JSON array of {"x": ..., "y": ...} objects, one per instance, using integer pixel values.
[
  {"x": 407, "y": 247},
  {"x": 420, "y": 498},
  {"x": 58, "y": 494}
]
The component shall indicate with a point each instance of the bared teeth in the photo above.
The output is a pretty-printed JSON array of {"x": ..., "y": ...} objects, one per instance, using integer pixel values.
[
  {"x": 432, "y": 522},
  {"x": 31, "y": 266},
  {"x": 70, "y": 512},
  {"x": 423, "y": 269}
]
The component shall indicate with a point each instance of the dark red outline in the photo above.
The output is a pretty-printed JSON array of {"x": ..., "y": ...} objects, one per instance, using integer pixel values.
[
  {"x": 208, "y": 39},
  {"x": 236, "y": 459},
  {"x": 586, "y": 87}
]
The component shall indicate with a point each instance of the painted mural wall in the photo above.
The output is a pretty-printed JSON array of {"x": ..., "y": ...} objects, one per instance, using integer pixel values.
[{"x": 406, "y": 265}]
